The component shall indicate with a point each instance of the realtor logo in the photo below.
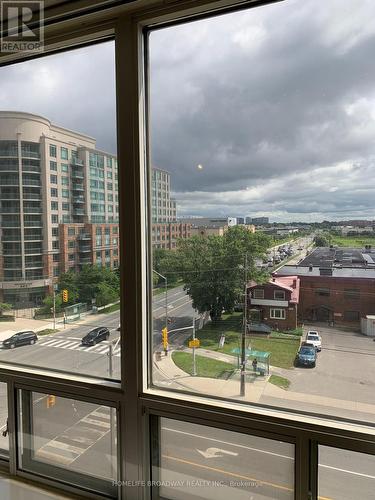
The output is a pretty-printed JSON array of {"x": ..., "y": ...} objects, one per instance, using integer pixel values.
[{"x": 22, "y": 27}]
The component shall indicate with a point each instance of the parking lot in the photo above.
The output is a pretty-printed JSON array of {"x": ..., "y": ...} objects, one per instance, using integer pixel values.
[{"x": 342, "y": 383}]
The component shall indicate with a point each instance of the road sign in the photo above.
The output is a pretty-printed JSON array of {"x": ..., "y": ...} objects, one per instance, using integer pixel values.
[{"x": 194, "y": 343}]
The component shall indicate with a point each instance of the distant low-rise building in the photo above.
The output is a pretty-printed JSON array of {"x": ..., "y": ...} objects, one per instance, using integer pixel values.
[{"x": 337, "y": 285}]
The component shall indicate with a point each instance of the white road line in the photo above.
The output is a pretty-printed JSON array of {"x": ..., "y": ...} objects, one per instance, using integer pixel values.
[
  {"x": 265, "y": 452},
  {"x": 347, "y": 471},
  {"x": 102, "y": 349},
  {"x": 91, "y": 348},
  {"x": 226, "y": 442},
  {"x": 48, "y": 342},
  {"x": 73, "y": 345},
  {"x": 63, "y": 446},
  {"x": 93, "y": 421}
]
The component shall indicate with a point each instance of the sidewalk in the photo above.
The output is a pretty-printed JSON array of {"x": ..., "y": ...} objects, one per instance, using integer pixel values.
[
  {"x": 256, "y": 388},
  {"x": 215, "y": 387},
  {"x": 36, "y": 325}
]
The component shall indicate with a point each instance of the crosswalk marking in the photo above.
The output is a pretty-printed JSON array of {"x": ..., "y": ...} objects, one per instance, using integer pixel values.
[
  {"x": 74, "y": 344},
  {"x": 83, "y": 435}
]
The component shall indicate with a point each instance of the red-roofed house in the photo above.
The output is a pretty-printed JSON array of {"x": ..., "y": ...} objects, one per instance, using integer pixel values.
[{"x": 275, "y": 303}]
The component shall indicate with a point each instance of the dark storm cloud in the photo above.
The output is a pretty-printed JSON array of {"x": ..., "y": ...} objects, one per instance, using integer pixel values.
[
  {"x": 74, "y": 89},
  {"x": 277, "y": 103},
  {"x": 256, "y": 96}
]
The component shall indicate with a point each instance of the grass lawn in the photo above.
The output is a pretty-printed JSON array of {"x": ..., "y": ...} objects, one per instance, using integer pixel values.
[
  {"x": 206, "y": 367},
  {"x": 352, "y": 241},
  {"x": 283, "y": 349},
  {"x": 281, "y": 382},
  {"x": 46, "y": 331},
  {"x": 110, "y": 309}
]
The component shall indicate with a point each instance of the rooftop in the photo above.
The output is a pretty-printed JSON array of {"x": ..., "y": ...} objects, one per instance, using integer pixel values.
[
  {"x": 340, "y": 257},
  {"x": 337, "y": 272}
]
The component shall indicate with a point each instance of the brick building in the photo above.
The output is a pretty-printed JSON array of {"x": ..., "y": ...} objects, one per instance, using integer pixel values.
[
  {"x": 338, "y": 296},
  {"x": 275, "y": 303},
  {"x": 166, "y": 235}
]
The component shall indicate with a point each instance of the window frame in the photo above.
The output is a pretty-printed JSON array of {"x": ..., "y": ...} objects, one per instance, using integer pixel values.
[
  {"x": 282, "y": 316},
  {"x": 137, "y": 402}
]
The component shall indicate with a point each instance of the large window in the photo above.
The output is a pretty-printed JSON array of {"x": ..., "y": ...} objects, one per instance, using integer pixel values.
[
  {"x": 248, "y": 118},
  {"x": 251, "y": 132},
  {"x": 64, "y": 322}
]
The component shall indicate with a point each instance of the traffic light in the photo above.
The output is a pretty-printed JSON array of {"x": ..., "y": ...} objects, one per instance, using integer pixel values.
[
  {"x": 164, "y": 334},
  {"x": 51, "y": 401},
  {"x": 65, "y": 295}
]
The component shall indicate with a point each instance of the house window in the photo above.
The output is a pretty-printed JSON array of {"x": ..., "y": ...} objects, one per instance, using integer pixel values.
[
  {"x": 277, "y": 313},
  {"x": 53, "y": 165},
  {"x": 323, "y": 292},
  {"x": 71, "y": 231},
  {"x": 258, "y": 293},
  {"x": 54, "y": 192},
  {"x": 279, "y": 295},
  {"x": 54, "y": 205},
  {"x": 352, "y": 293},
  {"x": 53, "y": 179}
]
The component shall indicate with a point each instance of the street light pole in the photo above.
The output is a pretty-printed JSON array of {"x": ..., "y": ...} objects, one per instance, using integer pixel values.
[{"x": 243, "y": 337}]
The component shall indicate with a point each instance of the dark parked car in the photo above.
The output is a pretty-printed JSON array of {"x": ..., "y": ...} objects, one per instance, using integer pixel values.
[
  {"x": 96, "y": 335},
  {"x": 306, "y": 356},
  {"x": 20, "y": 338}
]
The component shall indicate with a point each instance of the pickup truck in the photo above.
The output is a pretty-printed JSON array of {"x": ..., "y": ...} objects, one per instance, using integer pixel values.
[{"x": 313, "y": 337}]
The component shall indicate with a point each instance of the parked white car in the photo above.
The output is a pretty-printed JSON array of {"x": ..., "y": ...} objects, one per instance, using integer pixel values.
[{"x": 313, "y": 337}]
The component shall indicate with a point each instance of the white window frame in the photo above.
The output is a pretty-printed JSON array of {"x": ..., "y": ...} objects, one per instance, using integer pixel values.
[{"x": 280, "y": 310}]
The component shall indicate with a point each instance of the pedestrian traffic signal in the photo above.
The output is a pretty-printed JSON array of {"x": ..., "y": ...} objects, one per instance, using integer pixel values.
[
  {"x": 65, "y": 295},
  {"x": 164, "y": 334},
  {"x": 51, "y": 401}
]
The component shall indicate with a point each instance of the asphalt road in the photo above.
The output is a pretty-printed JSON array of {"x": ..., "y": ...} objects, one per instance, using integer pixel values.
[
  {"x": 194, "y": 461},
  {"x": 258, "y": 468},
  {"x": 63, "y": 351}
]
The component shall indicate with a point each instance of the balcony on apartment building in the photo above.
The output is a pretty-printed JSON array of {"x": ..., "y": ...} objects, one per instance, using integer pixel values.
[
  {"x": 78, "y": 199},
  {"x": 84, "y": 236},
  {"x": 77, "y": 187},
  {"x": 76, "y": 162}
]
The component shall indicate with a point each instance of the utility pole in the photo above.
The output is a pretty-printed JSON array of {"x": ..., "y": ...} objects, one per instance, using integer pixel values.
[
  {"x": 243, "y": 336},
  {"x": 54, "y": 308},
  {"x": 194, "y": 360}
]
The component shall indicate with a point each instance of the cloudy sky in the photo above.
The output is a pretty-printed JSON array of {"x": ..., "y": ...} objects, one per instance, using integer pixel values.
[{"x": 277, "y": 105}]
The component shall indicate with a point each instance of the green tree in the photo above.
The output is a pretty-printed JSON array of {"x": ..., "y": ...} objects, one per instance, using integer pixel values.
[
  {"x": 321, "y": 240},
  {"x": 69, "y": 281},
  {"x": 4, "y": 307},
  {"x": 106, "y": 294},
  {"x": 48, "y": 304},
  {"x": 213, "y": 268}
]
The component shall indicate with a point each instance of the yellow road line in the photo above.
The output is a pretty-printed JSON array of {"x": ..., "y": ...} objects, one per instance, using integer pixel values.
[{"x": 246, "y": 478}]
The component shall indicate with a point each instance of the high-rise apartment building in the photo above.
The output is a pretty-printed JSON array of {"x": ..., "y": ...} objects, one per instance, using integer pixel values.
[
  {"x": 59, "y": 206},
  {"x": 163, "y": 206},
  {"x": 53, "y": 183}
]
